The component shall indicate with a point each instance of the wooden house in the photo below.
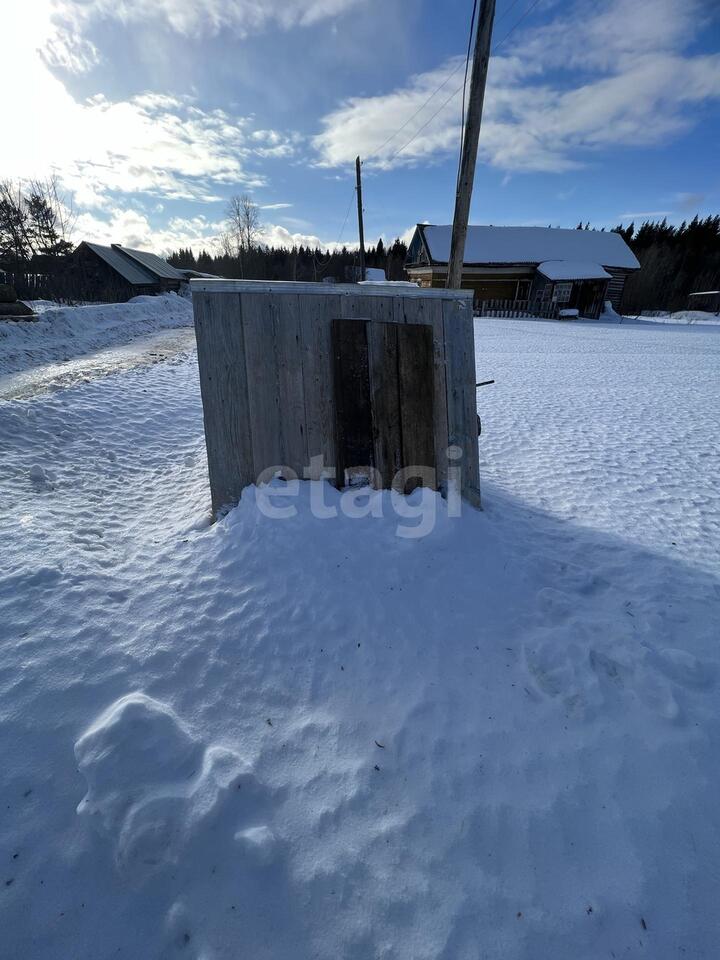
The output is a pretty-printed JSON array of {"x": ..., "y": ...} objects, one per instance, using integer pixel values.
[
  {"x": 535, "y": 266},
  {"x": 118, "y": 273}
]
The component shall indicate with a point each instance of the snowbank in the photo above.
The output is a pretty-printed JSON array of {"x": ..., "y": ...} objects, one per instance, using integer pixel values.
[
  {"x": 681, "y": 316},
  {"x": 61, "y": 333},
  {"x": 313, "y": 738}
]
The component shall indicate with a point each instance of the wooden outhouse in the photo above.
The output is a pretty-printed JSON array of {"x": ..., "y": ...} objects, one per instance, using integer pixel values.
[{"x": 368, "y": 380}]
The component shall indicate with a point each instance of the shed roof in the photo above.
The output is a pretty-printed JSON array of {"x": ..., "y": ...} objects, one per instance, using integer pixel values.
[
  {"x": 572, "y": 270},
  {"x": 132, "y": 271},
  {"x": 496, "y": 245},
  {"x": 151, "y": 262}
]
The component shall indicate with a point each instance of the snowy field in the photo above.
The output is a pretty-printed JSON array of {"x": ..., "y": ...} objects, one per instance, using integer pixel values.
[{"x": 316, "y": 739}]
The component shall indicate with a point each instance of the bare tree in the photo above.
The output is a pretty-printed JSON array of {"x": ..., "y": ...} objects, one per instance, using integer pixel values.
[
  {"x": 34, "y": 218},
  {"x": 244, "y": 228},
  {"x": 51, "y": 216}
]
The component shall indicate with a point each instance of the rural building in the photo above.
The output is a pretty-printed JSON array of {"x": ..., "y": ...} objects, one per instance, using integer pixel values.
[
  {"x": 708, "y": 300},
  {"x": 118, "y": 273},
  {"x": 540, "y": 269}
]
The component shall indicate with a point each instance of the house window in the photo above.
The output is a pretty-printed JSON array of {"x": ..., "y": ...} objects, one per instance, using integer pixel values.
[{"x": 562, "y": 292}]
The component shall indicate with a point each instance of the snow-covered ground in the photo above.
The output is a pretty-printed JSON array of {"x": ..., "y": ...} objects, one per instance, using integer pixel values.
[
  {"x": 62, "y": 333},
  {"x": 681, "y": 316},
  {"x": 316, "y": 739}
]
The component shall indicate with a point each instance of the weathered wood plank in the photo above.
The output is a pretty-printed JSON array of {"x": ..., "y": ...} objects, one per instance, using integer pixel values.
[
  {"x": 412, "y": 309},
  {"x": 461, "y": 392},
  {"x": 385, "y": 390},
  {"x": 291, "y": 392},
  {"x": 415, "y": 375},
  {"x": 316, "y": 315},
  {"x": 430, "y": 311},
  {"x": 262, "y": 379},
  {"x": 352, "y": 397},
  {"x": 223, "y": 387}
]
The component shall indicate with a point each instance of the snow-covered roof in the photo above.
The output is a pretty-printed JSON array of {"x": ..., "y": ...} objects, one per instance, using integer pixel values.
[
  {"x": 388, "y": 283},
  {"x": 705, "y": 293},
  {"x": 129, "y": 269},
  {"x": 531, "y": 245},
  {"x": 152, "y": 262},
  {"x": 136, "y": 266},
  {"x": 572, "y": 270}
]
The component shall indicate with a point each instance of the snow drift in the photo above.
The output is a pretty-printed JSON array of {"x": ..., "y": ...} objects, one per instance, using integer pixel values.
[
  {"x": 65, "y": 332},
  {"x": 317, "y": 739}
]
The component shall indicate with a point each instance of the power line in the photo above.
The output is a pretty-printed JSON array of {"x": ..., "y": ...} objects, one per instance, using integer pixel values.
[
  {"x": 420, "y": 109},
  {"x": 461, "y": 87},
  {"x": 347, "y": 214},
  {"x": 376, "y": 152}
]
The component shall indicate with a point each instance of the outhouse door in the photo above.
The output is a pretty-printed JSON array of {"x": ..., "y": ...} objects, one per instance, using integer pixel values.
[{"x": 383, "y": 389}]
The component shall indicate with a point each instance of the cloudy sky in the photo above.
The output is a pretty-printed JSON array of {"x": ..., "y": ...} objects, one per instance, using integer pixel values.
[{"x": 154, "y": 112}]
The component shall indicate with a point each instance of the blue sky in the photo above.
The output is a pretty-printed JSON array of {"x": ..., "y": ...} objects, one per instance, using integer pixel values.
[{"x": 153, "y": 114}]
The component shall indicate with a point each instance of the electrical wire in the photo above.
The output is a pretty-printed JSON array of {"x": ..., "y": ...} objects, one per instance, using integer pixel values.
[
  {"x": 347, "y": 214},
  {"x": 455, "y": 92},
  {"x": 376, "y": 152}
]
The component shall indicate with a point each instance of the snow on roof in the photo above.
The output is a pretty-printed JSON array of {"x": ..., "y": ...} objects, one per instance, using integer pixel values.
[
  {"x": 705, "y": 293},
  {"x": 132, "y": 271},
  {"x": 158, "y": 266},
  {"x": 572, "y": 270},
  {"x": 531, "y": 245},
  {"x": 389, "y": 283}
]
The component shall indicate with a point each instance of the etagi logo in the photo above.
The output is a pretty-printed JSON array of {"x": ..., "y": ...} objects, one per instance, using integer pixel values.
[{"x": 365, "y": 496}]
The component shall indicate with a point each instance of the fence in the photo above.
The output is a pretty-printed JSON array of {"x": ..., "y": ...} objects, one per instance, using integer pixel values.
[{"x": 517, "y": 308}]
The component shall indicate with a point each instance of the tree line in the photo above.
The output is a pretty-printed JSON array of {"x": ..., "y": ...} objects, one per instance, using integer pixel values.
[
  {"x": 37, "y": 223},
  {"x": 263, "y": 262},
  {"x": 674, "y": 261},
  {"x": 240, "y": 253}
]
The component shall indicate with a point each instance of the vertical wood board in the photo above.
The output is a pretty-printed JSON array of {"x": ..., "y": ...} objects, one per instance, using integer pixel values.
[
  {"x": 461, "y": 392},
  {"x": 352, "y": 396},
  {"x": 316, "y": 313},
  {"x": 262, "y": 381},
  {"x": 415, "y": 367},
  {"x": 291, "y": 390},
  {"x": 223, "y": 387}
]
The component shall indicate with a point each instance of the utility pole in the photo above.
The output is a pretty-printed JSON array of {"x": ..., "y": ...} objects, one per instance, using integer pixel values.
[
  {"x": 471, "y": 135},
  {"x": 361, "y": 230}
]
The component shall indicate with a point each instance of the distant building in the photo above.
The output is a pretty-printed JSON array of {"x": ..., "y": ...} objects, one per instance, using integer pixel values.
[
  {"x": 708, "y": 300},
  {"x": 118, "y": 273},
  {"x": 542, "y": 267}
]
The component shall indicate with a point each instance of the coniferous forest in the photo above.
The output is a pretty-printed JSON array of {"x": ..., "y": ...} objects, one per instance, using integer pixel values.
[
  {"x": 675, "y": 261},
  {"x": 259, "y": 262}
]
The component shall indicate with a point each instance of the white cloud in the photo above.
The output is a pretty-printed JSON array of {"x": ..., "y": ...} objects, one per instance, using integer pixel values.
[
  {"x": 275, "y": 235},
  {"x": 153, "y": 143},
  {"x": 204, "y": 17},
  {"x": 643, "y": 215},
  {"x": 588, "y": 80},
  {"x": 131, "y": 228},
  {"x": 275, "y": 206}
]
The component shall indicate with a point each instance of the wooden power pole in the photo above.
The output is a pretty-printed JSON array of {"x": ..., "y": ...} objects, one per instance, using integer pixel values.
[
  {"x": 471, "y": 135},
  {"x": 361, "y": 229}
]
